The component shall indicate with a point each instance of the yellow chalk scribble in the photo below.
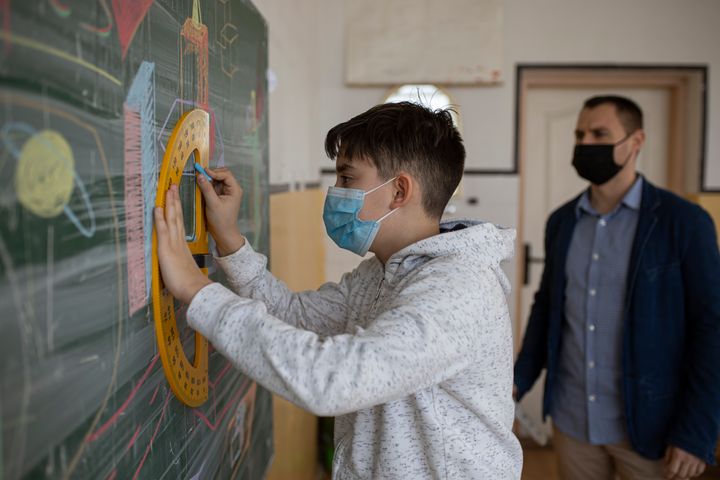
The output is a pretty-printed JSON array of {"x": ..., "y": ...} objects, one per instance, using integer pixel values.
[{"x": 44, "y": 179}]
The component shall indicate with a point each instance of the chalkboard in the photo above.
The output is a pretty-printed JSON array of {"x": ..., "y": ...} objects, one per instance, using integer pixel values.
[{"x": 89, "y": 93}]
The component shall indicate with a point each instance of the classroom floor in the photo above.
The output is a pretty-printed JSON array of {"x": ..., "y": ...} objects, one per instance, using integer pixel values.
[{"x": 539, "y": 464}]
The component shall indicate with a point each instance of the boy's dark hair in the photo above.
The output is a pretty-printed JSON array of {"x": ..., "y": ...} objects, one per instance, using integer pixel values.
[
  {"x": 410, "y": 137},
  {"x": 628, "y": 111}
]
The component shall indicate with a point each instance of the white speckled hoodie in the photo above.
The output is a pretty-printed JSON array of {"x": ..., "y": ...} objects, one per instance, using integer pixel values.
[{"x": 414, "y": 358}]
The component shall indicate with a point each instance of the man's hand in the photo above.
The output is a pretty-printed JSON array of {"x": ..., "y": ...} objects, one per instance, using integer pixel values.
[
  {"x": 223, "y": 198},
  {"x": 681, "y": 465},
  {"x": 180, "y": 273}
]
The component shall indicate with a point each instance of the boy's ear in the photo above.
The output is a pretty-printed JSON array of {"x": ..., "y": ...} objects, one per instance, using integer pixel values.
[{"x": 403, "y": 186}]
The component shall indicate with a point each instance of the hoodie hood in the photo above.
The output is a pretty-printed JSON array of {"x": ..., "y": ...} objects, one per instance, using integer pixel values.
[{"x": 480, "y": 244}]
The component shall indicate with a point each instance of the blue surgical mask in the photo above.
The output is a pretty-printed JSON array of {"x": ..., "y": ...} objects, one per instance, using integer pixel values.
[{"x": 342, "y": 206}]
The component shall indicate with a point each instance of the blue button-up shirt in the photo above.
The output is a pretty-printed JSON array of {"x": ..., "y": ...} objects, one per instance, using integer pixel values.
[{"x": 588, "y": 403}]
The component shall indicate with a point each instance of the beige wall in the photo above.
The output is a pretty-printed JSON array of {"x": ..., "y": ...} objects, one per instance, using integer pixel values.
[{"x": 297, "y": 258}]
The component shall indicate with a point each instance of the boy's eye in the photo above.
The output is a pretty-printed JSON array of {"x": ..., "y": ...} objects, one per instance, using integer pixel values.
[{"x": 344, "y": 180}]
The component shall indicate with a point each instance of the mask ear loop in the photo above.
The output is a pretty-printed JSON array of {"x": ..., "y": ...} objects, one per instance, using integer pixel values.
[
  {"x": 391, "y": 211},
  {"x": 380, "y": 186},
  {"x": 387, "y": 215},
  {"x": 620, "y": 143},
  {"x": 624, "y": 139}
]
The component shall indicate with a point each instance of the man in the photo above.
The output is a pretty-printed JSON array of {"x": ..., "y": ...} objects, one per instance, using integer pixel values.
[{"x": 627, "y": 317}]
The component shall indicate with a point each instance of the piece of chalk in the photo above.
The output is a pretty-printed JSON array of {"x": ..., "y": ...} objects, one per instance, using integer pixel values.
[{"x": 200, "y": 169}]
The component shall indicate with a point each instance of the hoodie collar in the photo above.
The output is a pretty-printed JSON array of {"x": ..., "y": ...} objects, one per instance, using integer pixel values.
[{"x": 480, "y": 243}]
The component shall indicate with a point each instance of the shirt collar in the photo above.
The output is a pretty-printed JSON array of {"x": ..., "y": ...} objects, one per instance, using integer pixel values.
[{"x": 632, "y": 199}]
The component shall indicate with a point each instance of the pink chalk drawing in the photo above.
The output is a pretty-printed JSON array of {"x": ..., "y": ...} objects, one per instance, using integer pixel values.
[{"x": 140, "y": 174}]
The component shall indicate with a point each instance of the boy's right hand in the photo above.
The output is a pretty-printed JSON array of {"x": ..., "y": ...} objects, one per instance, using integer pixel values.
[{"x": 223, "y": 198}]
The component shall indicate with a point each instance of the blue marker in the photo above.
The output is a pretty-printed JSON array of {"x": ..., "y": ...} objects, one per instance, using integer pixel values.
[{"x": 200, "y": 169}]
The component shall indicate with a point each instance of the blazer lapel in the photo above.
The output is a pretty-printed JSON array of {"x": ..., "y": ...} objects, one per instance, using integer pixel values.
[{"x": 646, "y": 223}]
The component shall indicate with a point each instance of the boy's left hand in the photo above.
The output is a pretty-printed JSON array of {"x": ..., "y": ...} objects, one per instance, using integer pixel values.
[{"x": 180, "y": 273}]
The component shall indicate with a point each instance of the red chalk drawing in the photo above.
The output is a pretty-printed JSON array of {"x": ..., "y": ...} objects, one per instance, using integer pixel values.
[
  {"x": 152, "y": 439},
  {"x": 133, "y": 439},
  {"x": 213, "y": 426},
  {"x": 98, "y": 433},
  {"x": 129, "y": 14}
]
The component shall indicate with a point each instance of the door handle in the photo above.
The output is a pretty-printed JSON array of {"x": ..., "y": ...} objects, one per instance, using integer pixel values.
[{"x": 528, "y": 260}]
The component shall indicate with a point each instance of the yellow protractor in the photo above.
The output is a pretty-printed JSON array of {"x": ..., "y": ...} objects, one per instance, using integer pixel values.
[{"x": 189, "y": 381}]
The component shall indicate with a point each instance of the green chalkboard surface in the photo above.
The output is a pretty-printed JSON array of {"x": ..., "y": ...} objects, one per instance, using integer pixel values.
[{"x": 89, "y": 93}]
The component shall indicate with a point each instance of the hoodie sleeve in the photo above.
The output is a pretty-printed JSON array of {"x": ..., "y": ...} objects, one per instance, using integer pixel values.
[
  {"x": 426, "y": 335},
  {"x": 323, "y": 311}
]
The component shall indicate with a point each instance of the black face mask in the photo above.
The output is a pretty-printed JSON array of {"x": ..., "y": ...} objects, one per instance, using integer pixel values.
[{"x": 596, "y": 163}]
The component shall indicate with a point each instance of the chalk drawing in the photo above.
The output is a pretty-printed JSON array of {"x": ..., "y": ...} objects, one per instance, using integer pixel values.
[
  {"x": 46, "y": 173},
  {"x": 45, "y": 170},
  {"x": 140, "y": 179},
  {"x": 129, "y": 14},
  {"x": 195, "y": 36},
  {"x": 50, "y": 289},
  {"x": 26, "y": 42},
  {"x": 152, "y": 439},
  {"x": 65, "y": 11},
  {"x": 7, "y": 98},
  {"x": 240, "y": 427},
  {"x": 225, "y": 35},
  {"x": 19, "y": 443}
]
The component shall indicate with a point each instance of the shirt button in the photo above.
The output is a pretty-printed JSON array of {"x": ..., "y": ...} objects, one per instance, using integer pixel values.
[
  {"x": 592, "y": 292},
  {"x": 591, "y": 327},
  {"x": 591, "y": 364},
  {"x": 591, "y": 398},
  {"x": 603, "y": 222},
  {"x": 596, "y": 257}
]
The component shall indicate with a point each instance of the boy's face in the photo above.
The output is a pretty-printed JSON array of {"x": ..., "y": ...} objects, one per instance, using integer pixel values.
[{"x": 360, "y": 174}]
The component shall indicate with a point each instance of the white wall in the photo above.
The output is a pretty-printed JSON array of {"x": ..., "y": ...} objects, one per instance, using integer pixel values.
[
  {"x": 292, "y": 28},
  {"x": 548, "y": 31}
]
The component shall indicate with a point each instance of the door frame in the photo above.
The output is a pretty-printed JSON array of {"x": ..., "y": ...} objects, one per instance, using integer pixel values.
[{"x": 687, "y": 112}]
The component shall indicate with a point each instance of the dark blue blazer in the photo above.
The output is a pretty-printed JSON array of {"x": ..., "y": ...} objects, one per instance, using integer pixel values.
[{"x": 671, "y": 335}]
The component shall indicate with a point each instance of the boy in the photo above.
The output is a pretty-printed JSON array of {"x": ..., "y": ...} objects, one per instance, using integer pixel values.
[{"x": 412, "y": 350}]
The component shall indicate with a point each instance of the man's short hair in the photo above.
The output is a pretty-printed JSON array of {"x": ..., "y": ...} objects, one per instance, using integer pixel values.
[
  {"x": 628, "y": 111},
  {"x": 407, "y": 137}
]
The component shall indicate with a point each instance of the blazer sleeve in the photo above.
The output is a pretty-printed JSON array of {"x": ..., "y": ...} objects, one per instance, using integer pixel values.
[{"x": 696, "y": 427}]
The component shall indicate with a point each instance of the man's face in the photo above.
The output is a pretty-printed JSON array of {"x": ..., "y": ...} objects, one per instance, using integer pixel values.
[
  {"x": 362, "y": 175},
  {"x": 601, "y": 125}
]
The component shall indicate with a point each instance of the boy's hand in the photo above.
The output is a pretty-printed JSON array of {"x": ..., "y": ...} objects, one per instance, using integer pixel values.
[
  {"x": 222, "y": 205},
  {"x": 180, "y": 273}
]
